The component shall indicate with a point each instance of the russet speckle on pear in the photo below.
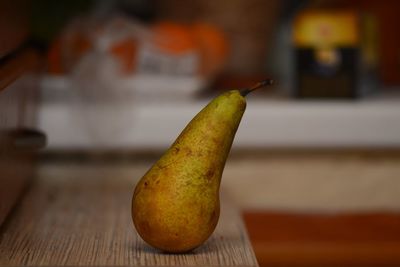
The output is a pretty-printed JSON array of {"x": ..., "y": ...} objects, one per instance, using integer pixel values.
[{"x": 175, "y": 205}]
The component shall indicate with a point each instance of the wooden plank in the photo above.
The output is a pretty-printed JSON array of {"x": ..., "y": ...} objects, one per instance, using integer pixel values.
[
  {"x": 18, "y": 109},
  {"x": 80, "y": 215},
  {"x": 289, "y": 239}
]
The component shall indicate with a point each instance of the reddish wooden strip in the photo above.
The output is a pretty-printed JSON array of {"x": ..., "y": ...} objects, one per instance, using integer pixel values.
[{"x": 284, "y": 239}]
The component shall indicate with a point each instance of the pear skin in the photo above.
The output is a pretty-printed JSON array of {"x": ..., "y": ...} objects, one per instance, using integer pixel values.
[{"x": 175, "y": 205}]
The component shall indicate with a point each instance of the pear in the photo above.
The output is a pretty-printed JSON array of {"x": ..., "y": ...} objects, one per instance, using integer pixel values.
[{"x": 175, "y": 205}]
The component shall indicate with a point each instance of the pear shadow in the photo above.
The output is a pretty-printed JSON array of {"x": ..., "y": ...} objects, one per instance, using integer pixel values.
[{"x": 142, "y": 247}]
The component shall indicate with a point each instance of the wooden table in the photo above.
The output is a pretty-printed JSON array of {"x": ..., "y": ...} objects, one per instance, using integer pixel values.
[{"x": 79, "y": 214}]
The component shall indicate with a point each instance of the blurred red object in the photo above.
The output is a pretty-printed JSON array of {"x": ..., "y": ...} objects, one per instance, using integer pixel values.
[
  {"x": 125, "y": 51},
  {"x": 54, "y": 59}
]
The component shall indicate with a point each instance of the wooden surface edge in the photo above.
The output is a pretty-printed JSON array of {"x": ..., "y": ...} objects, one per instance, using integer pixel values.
[
  {"x": 327, "y": 254},
  {"x": 17, "y": 65}
]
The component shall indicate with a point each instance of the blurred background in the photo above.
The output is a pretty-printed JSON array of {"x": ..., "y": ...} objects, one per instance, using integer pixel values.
[
  {"x": 316, "y": 159},
  {"x": 336, "y": 66}
]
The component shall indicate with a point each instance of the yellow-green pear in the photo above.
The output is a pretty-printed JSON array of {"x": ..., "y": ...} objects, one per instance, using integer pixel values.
[{"x": 175, "y": 206}]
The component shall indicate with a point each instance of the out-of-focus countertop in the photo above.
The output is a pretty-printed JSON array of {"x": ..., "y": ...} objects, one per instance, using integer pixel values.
[
  {"x": 287, "y": 180},
  {"x": 308, "y": 182}
]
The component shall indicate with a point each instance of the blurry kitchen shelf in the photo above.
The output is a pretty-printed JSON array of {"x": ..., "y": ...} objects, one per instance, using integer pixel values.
[{"x": 146, "y": 123}]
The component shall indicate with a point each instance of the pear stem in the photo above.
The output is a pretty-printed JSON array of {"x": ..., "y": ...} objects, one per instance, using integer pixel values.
[{"x": 260, "y": 84}]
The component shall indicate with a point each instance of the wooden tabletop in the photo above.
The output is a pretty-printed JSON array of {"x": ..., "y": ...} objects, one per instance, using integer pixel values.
[{"x": 79, "y": 214}]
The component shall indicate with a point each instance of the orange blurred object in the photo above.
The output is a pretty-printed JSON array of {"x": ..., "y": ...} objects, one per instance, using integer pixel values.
[
  {"x": 213, "y": 47},
  {"x": 125, "y": 51},
  {"x": 173, "y": 37},
  {"x": 202, "y": 38}
]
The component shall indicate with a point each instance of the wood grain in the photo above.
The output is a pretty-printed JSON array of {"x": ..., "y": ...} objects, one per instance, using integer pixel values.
[
  {"x": 339, "y": 239},
  {"x": 80, "y": 215}
]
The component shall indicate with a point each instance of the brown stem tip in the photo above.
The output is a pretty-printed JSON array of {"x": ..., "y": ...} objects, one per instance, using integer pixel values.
[{"x": 260, "y": 84}]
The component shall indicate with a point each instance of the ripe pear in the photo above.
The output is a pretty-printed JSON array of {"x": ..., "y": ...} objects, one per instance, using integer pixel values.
[{"x": 175, "y": 206}]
